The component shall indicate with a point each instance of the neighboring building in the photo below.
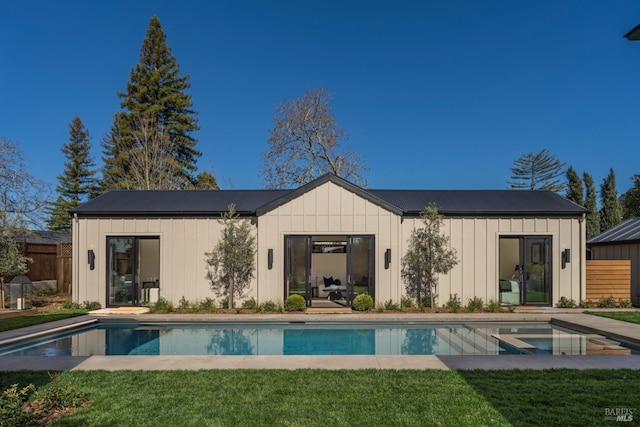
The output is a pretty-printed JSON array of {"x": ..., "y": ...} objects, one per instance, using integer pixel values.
[
  {"x": 621, "y": 242},
  {"x": 132, "y": 246}
]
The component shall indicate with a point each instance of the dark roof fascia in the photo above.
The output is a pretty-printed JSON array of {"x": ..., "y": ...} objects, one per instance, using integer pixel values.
[
  {"x": 500, "y": 214},
  {"x": 613, "y": 243},
  {"x": 168, "y": 215},
  {"x": 323, "y": 180}
]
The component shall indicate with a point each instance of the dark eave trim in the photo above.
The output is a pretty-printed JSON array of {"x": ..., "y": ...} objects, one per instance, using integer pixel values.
[
  {"x": 181, "y": 214},
  {"x": 502, "y": 214}
]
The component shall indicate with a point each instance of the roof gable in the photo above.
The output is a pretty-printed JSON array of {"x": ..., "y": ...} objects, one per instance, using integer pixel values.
[{"x": 287, "y": 197}]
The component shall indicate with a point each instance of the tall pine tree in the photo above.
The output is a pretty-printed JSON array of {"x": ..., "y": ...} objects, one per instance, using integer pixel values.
[
  {"x": 611, "y": 211},
  {"x": 575, "y": 189},
  {"x": 155, "y": 89},
  {"x": 631, "y": 199},
  {"x": 537, "y": 171},
  {"x": 593, "y": 217},
  {"x": 77, "y": 181}
]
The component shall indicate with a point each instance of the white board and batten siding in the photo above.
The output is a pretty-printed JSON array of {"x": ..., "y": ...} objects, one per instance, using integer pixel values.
[
  {"x": 476, "y": 242},
  {"x": 328, "y": 210},
  {"x": 183, "y": 243}
]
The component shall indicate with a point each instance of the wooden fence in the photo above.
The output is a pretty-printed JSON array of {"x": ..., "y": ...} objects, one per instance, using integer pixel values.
[
  {"x": 51, "y": 261},
  {"x": 607, "y": 278},
  {"x": 63, "y": 271}
]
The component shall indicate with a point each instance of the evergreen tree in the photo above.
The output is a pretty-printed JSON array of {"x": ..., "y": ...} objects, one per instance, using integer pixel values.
[
  {"x": 155, "y": 88},
  {"x": 537, "y": 171},
  {"x": 206, "y": 181},
  {"x": 77, "y": 181},
  {"x": 611, "y": 211},
  {"x": 114, "y": 159},
  {"x": 631, "y": 199},
  {"x": 593, "y": 217},
  {"x": 575, "y": 189}
]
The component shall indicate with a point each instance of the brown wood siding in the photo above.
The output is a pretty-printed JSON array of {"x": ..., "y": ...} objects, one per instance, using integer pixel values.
[{"x": 607, "y": 278}]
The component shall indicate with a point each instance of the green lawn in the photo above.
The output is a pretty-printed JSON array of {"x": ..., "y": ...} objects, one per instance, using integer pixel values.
[
  {"x": 36, "y": 319},
  {"x": 626, "y": 316},
  {"x": 345, "y": 398}
]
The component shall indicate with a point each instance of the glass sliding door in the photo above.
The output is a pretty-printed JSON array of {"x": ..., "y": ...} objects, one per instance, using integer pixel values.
[
  {"x": 537, "y": 269},
  {"x": 298, "y": 267},
  {"x": 133, "y": 270},
  {"x": 525, "y": 270},
  {"x": 360, "y": 266},
  {"x": 121, "y": 259}
]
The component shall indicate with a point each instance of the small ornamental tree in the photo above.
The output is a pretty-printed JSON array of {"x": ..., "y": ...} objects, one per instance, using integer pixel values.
[
  {"x": 427, "y": 257},
  {"x": 231, "y": 263}
]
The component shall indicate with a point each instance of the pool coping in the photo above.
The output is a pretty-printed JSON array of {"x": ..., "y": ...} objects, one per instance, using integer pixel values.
[{"x": 617, "y": 330}]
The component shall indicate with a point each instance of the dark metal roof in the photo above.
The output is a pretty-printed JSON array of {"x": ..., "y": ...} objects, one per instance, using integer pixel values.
[
  {"x": 634, "y": 33},
  {"x": 258, "y": 202},
  {"x": 482, "y": 202},
  {"x": 625, "y": 232},
  {"x": 176, "y": 202}
]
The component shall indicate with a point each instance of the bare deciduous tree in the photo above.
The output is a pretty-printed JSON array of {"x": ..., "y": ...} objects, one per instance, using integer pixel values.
[
  {"x": 152, "y": 167},
  {"x": 23, "y": 198},
  {"x": 305, "y": 144}
]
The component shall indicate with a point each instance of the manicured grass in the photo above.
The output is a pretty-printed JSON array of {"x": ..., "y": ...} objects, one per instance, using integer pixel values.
[
  {"x": 626, "y": 316},
  {"x": 346, "y": 398},
  {"x": 36, "y": 319}
]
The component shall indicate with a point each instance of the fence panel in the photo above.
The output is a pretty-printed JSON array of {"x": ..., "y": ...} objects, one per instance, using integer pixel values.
[
  {"x": 44, "y": 263},
  {"x": 63, "y": 273},
  {"x": 607, "y": 278}
]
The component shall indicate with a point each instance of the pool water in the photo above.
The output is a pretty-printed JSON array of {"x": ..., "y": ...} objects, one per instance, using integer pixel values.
[{"x": 317, "y": 338}]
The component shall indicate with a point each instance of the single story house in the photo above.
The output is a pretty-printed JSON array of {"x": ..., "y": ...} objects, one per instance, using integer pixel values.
[
  {"x": 328, "y": 240},
  {"x": 621, "y": 242}
]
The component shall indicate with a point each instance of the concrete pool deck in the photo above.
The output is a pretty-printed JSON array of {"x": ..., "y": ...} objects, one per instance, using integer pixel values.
[{"x": 616, "y": 330}]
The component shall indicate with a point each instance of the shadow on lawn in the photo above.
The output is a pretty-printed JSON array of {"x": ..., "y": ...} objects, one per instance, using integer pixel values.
[
  {"x": 567, "y": 397},
  {"x": 24, "y": 378}
]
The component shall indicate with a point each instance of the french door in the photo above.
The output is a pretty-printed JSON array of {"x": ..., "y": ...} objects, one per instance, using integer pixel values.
[
  {"x": 298, "y": 267},
  {"x": 360, "y": 266},
  {"x": 357, "y": 261},
  {"x": 133, "y": 270}
]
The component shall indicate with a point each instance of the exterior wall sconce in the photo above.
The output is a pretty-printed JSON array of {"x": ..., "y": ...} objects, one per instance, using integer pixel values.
[
  {"x": 269, "y": 259},
  {"x": 387, "y": 259},
  {"x": 566, "y": 257},
  {"x": 91, "y": 259}
]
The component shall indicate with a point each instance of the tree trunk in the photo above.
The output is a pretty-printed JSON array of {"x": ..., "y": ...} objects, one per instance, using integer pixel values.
[{"x": 230, "y": 299}]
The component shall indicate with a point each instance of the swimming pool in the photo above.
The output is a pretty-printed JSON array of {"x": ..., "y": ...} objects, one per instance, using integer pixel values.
[{"x": 316, "y": 338}]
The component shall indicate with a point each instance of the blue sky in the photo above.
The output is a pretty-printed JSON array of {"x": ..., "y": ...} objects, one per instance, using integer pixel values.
[{"x": 435, "y": 94}]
